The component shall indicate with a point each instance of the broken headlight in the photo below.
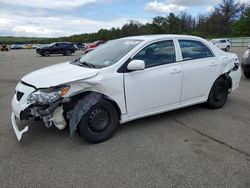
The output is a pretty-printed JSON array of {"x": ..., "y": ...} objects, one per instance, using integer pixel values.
[{"x": 47, "y": 96}]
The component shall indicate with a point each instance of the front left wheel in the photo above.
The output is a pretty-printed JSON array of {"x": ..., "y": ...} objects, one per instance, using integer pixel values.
[
  {"x": 46, "y": 53},
  {"x": 218, "y": 94},
  {"x": 99, "y": 123}
]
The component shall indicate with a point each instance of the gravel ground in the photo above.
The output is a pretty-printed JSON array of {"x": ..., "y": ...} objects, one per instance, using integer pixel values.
[{"x": 191, "y": 147}]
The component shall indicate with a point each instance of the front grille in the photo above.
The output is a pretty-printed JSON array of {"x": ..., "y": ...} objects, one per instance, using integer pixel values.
[{"x": 19, "y": 95}]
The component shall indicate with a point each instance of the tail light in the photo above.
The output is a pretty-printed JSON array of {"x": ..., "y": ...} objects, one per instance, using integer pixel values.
[{"x": 92, "y": 45}]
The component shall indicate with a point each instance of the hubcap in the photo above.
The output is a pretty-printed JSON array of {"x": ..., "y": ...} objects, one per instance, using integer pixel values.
[
  {"x": 98, "y": 120},
  {"x": 219, "y": 94}
]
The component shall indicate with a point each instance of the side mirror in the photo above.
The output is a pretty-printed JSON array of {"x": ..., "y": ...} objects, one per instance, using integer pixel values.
[{"x": 135, "y": 65}]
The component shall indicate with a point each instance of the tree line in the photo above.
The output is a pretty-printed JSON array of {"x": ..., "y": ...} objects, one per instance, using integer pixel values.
[{"x": 228, "y": 19}]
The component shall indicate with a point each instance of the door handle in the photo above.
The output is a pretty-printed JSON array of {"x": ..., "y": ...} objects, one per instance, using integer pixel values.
[
  {"x": 213, "y": 64},
  {"x": 175, "y": 71}
]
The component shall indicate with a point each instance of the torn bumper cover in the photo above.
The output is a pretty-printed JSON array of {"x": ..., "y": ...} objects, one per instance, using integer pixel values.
[
  {"x": 21, "y": 109},
  {"x": 48, "y": 115},
  {"x": 82, "y": 106},
  {"x": 52, "y": 114},
  {"x": 16, "y": 129}
]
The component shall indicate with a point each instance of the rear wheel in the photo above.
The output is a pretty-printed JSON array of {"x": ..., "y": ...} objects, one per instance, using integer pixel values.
[
  {"x": 247, "y": 74},
  {"x": 99, "y": 123},
  {"x": 218, "y": 94},
  {"x": 68, "y": 53},
  {"x": 227, "y": 48}
]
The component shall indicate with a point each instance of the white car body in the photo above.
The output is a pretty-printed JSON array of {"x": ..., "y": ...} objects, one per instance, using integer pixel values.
[
  {"x": 223, "y": 44},
  {"x": 139, "y": 93}
]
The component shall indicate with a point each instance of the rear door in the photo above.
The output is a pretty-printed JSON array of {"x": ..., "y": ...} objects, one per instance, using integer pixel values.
[
  {"x": 55, "y": 48},
  {"x": 200, "y": 70},
  {"x": 158, "y": 86}
]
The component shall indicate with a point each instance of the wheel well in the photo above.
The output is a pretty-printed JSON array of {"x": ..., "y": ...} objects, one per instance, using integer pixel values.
[
  {"x": 228, "y": 79},
  {"x": 75, "y": 98}
]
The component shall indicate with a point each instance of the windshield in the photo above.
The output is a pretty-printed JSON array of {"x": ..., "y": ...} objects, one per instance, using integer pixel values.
[
  {"x": 109, "y": 53},
  {"x": 51, "y": 44}
]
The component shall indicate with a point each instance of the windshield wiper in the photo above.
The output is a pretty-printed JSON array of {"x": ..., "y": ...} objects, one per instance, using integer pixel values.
[
  {"x": 86, "y": 64},
  {"x": 83, "y": 64}
]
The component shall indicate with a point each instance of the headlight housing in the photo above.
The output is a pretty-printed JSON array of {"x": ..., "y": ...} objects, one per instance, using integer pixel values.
[
  {"x": 47, "y": 96},
  {"x": 246, "y": 54}
]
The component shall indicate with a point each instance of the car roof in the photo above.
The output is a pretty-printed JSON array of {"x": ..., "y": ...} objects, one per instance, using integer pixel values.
[
  {"x": 163, "y": 36},
  {"x": 62, "y": 42},
  {"x": 221, "y": 39}
]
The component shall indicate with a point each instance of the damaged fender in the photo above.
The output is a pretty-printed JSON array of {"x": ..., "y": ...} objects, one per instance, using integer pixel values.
[
  {"x": 81, "y": 107},
  {"x": 232, "y": 69}
]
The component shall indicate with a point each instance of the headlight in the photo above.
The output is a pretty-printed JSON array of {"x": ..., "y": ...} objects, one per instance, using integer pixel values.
[
  {"x": 246, "y": 54},
  {"x": 47, "y": 96}
]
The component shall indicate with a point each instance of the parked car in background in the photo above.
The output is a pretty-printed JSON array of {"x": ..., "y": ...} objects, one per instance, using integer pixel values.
[
  {"x": 4, "y": 47},
  {"x": 246, "y": 63},
  {"x": 80, "y": 46},
  {"x": 223, "y": 44},
  {"x": 34, "y": 46},
  {"x": 93, "y": 45},
  {"x": 65, "y": 48},
  {"x": 123, "y": 80},
  {"x": 40, "y": 45},
  {"x": 27, "y": 46},
  {"x": 16, "y": 47}
]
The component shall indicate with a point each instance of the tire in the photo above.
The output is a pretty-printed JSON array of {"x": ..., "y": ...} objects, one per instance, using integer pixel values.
[
  {"x": 46, "y": 53},
  {"x": 99, "y": 123},
  {"x": 227, "y": 48},
  {"x": 68, "y": 53},
  {"x": 247, "y": 74},
  {"x": 218, "y": 94}
]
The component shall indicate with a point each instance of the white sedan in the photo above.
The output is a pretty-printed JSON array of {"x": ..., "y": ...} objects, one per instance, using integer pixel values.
[{"x": 123, "y": 80}]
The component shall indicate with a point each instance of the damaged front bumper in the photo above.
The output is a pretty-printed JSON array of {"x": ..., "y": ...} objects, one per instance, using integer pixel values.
[
  {"x": 50, "y": 114},
  {"x": 18, "y": 132}
]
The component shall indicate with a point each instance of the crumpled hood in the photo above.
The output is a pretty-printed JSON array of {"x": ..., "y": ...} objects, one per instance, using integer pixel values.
[{"x": 58, "y": 74}]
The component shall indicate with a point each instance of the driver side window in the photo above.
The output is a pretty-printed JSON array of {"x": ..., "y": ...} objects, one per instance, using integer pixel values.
[{"x": 158, "y": 53}]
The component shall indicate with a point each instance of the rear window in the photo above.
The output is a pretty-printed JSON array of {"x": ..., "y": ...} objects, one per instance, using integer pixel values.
[
  {"x": 191, "y": 49},
  {"x": 223, "y": 41}
]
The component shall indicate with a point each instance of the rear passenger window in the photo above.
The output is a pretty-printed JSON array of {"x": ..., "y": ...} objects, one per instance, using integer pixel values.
[
  {"x": 191, "y": 49},
  {"x": 158, "y": 53}
]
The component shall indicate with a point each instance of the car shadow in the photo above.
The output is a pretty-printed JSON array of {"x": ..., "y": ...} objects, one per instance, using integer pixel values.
[
  {"x": 165, "y": 116},
  {"x": 37, "y": 130}
]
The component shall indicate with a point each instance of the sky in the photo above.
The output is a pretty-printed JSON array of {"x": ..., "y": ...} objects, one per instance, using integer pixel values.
[{"x": 56, "y": 18}]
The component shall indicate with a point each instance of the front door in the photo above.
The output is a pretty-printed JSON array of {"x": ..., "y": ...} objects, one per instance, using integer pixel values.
[{"x": 158, "y": 86}]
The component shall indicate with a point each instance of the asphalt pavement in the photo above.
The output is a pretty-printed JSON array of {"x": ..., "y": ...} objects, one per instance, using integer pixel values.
[{"x": 190, "y": 147}]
